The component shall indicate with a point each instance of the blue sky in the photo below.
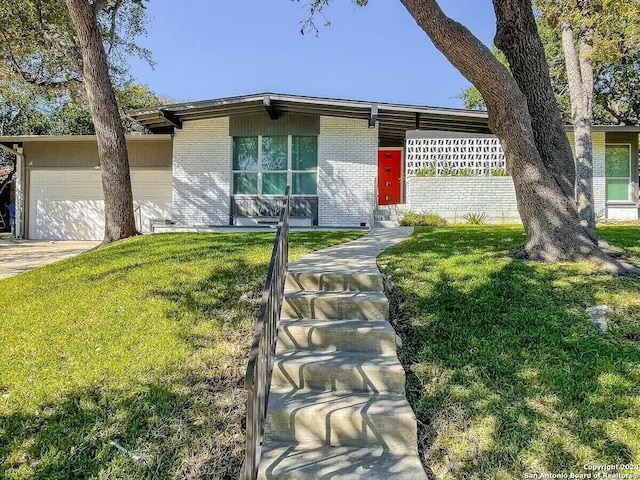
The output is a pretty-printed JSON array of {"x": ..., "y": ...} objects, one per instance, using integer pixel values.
[{"x": 215, "y": 48}]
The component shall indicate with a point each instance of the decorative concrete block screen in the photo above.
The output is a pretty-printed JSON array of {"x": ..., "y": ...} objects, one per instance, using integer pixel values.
[{"x": 458, "y": 157}]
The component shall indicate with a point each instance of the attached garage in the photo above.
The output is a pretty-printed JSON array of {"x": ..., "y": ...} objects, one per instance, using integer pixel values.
[
  {"x": 63, "y": 185},
  {"x": 68, "y": 204}
]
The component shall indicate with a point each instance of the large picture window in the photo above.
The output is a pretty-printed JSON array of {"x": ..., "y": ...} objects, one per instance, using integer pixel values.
[
  {"x": 265, "y": 165},
  {"x": 618, "y": 172}
]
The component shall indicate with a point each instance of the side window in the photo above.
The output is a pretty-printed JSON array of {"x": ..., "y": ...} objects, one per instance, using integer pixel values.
[
  {"x": 245, "y": 165},
  {"x": 618, "y": 172},
  {"x": 304, "y": 165}
]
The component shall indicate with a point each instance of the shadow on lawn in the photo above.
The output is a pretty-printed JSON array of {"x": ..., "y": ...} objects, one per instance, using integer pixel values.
[
  {"x": 184, "y": 422},
  {"x": 505, "y": 373},
  {"x": 159, "y": 423},
  {"x": 189, "y": 424}
]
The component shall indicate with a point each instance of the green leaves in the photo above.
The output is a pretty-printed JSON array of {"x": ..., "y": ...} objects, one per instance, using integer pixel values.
[
  {"x": 615, "y": 54},
  {"x": 38, "y": 45}
]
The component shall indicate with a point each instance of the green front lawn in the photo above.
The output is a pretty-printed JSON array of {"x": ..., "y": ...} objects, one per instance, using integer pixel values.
[
  {"x": 505, "y": 372},
  {"x": 142, "y": 344}
]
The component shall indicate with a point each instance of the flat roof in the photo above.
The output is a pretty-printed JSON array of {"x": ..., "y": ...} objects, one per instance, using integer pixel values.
[
  {"x": 393, "y": 119},
  {"x": 610, "y": 128},
  {"x": 76, "y": 138}
]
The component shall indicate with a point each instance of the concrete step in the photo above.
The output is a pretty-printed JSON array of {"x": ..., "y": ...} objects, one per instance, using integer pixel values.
[
  {"x": 338, "y": 371},
  {"x": 332, "y": 305},
  {"x": 386, "y": 223},
  {"x": 296, "y": 462},
  {"x": 376, "y": 336},
  {"x": 316, "y": 418},
  {"x": 333, "y": 282}
]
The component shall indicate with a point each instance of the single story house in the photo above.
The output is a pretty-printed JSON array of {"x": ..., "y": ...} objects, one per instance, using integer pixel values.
[{"x": 226, "y": 161}]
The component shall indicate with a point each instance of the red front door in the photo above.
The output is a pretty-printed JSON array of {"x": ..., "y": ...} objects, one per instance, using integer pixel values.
[{"x": 389, "y": 177}]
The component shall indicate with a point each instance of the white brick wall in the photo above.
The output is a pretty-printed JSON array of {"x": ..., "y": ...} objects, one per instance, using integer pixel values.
[
  {"x": 452, "y": 197},
  {"x": 598, "y": 143},
  {"x": 599, "y": 196},
  {"x": 347, "y": 170},
  {"x": 202, "y": 173}
]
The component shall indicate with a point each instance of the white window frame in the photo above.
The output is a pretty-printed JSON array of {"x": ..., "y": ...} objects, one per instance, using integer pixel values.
[
  {"x": 629, "y": 178},
  {"x": 260, "y": 171}
]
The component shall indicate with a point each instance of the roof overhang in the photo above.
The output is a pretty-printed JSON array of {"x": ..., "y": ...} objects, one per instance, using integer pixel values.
[
  {"x": 393, "y": 120},
  {"x": 20, "y": 139},
  {"x": 610, "y": 128}
]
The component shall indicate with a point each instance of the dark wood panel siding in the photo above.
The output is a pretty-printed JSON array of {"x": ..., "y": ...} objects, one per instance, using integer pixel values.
[
  {"x": 261, "y": 124},
  {"x": 147, "y": 153},
  {"x": 270, "y": 206}
]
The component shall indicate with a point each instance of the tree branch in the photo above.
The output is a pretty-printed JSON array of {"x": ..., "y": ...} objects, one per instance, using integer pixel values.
[
  {"x": 98, "y": 6},
  {"x": 574, "y": 75},
  {"x": 8, "y": 179},
  {"x": 585, "y": 49},
  {"x": 623, "y": 120},
  {"x": 518, "y": 38},
  {"x": 112, "y": 30},
  {"x": 470, "y": 56}
]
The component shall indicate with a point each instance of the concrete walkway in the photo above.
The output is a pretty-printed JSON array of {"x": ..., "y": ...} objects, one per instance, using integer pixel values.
[
  {"x": 337, "y": 408},
  {"x": 357, "y": 257},
  {"x": 18, "y": 256}
]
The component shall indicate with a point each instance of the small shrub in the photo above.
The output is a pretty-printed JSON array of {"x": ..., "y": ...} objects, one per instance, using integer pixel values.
[
  {"x": 429, "y": 171},
  {"x": 447, "y": 171},
  {"x": 499, "y": 172},
  {"x": 411, "y": 219},
  {"x": 465, "y": 172},
  {"x": 475, "y": 218},
  {"x": 600, "y": 216}
]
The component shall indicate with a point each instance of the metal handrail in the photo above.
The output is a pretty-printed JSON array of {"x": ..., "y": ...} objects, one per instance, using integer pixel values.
[
  {"x": 257, "y": 380},
  {"x": 374, "y": 211}
]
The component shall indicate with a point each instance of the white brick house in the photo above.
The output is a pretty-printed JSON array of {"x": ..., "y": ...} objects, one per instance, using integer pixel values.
[
  {"x": 227, "y": 161},
  {"x": 454, "y": 174}
]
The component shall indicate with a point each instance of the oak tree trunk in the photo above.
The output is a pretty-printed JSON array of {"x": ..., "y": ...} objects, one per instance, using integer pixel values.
[
  {"x": 580, "y": 79},
  {"x": 517, "y": 36},
  {"x": 112, "y": 147},
  {"x": 545, "y": 201}
]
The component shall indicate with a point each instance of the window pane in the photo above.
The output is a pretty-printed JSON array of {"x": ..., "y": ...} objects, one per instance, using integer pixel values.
[
  {"x": 274, "y": 153},
  {"x": 274, "y": 183},
  {"x": 305, "y": 153},
  {"x": 245, "y": 153},
  {"x": 617, "y": 160},
  {"x": 245, "y": 183},
  {"x": 305, "y": 183},
  {"x": 617, "y": 189}
]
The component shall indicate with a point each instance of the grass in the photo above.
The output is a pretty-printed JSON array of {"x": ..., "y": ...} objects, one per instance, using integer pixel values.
[
  {"x": 506, "y": 374},
  {"x": 142, "y": 344}
]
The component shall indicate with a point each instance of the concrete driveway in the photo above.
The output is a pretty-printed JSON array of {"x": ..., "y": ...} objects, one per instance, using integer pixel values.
[{"x": 17, "y": 256}]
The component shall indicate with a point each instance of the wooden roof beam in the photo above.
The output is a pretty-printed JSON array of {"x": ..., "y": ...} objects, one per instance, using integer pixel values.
[
  {"x": 373, "y": 116},
  {"x": 172, "y": 118},
  {"x": 272, "y": 111}
]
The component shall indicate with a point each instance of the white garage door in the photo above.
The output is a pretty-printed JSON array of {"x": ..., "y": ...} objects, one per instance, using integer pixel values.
[{"x": 68, "y": 204}]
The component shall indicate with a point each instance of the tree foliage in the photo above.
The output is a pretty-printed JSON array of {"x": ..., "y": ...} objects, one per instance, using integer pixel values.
[
  {"x": 615, "y": 58},
  {"x": 39, "y": 47},
  {"x": 57, "y": 47},
  {"x": 614, "y": 28},
  {"x": 41, "y": 89},
  {"x": 23, "y": 112}
]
